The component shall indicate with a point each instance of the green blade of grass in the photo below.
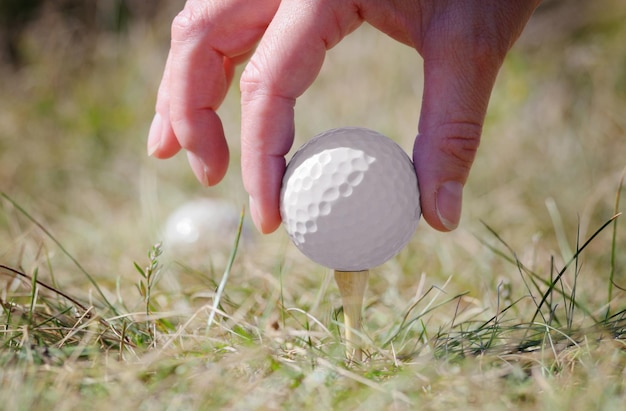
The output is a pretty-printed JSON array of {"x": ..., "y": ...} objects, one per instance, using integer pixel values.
[
  {"x": 229, "y": 265},
  {"x": 33, "y": 292},
  {"x": 567, "y": 265},
  {"x": 613, "y": 248},
  {"x": 534, "y": 277}
]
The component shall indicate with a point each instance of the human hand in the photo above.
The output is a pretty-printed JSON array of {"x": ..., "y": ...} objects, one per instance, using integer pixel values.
[{"x": 462, "y": 42}]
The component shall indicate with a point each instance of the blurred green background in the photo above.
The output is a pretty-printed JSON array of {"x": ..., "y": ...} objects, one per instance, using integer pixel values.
[{"x": 78, "y": 87}]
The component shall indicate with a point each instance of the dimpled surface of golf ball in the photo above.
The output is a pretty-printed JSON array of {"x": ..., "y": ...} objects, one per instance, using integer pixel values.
[{"x": 350, "y": 199}]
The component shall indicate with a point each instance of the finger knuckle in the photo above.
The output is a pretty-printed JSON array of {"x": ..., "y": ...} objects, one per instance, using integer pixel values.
[
  {"x": 186, "y": 24},
  {"x": 461, "y": 143},
  {"x": 250, "y": 82}
]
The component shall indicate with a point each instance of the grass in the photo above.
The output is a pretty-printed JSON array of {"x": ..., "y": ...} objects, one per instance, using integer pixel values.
[
  {"x": 523, "y": 307},
  {"x": 527, "y": 344}
]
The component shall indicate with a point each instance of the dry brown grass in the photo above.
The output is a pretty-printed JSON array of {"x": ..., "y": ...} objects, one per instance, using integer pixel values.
[{"x": 448, "y": 320}]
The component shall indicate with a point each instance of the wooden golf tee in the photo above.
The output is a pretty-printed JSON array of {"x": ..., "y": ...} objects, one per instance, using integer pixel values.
[{"x": 352, "y": 285}]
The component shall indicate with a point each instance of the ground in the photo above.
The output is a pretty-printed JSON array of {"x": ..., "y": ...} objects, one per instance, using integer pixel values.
[{"x": 522, "y": 307}]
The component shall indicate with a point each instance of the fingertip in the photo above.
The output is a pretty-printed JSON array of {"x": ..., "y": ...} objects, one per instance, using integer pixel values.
[
  {"x": 154, "y": 135},
  {"x": 208, "y": 172},
  {"x": 431, "y": 215},
  {"x": 441, "y": 186},
  {"x": 266, "y": 222},
  {"x": 448, "y": 203},
  {"x": 162, "y": 142}
]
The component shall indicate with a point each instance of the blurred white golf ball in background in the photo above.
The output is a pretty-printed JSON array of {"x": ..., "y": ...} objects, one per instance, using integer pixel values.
[{"x": 202, "y": 223}]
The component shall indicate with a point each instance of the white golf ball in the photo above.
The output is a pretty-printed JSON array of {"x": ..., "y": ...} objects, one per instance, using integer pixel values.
[
  {"x": 209, "y": 222},
  {"x": 350, "y": 199}
]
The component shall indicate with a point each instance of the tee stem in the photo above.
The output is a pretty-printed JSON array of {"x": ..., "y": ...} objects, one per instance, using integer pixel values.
[{"x": 352, "y": 285}]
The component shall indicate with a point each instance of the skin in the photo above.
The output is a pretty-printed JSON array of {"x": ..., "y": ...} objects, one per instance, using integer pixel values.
[{"x": 462, "y": 42}]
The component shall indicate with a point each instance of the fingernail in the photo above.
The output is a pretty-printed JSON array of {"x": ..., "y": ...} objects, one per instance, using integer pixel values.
[
  {"x": 448, "y": 204},
  {"x": 254, "y": 213},
  {"x": 154, "y": 135},
  {"x": 199, "y": 168}
]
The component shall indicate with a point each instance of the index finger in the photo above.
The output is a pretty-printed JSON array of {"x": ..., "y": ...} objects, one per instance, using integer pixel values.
[
  {"x": 286, "y": 62},
  {"x": 208, "y": 39}
]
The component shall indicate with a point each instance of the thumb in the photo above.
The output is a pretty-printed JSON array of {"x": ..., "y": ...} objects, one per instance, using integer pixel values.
[{"x": 456, "y": 95}]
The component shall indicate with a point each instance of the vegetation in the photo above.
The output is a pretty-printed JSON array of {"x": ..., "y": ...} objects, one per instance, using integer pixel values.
[{"x": 523, "y": 307}]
